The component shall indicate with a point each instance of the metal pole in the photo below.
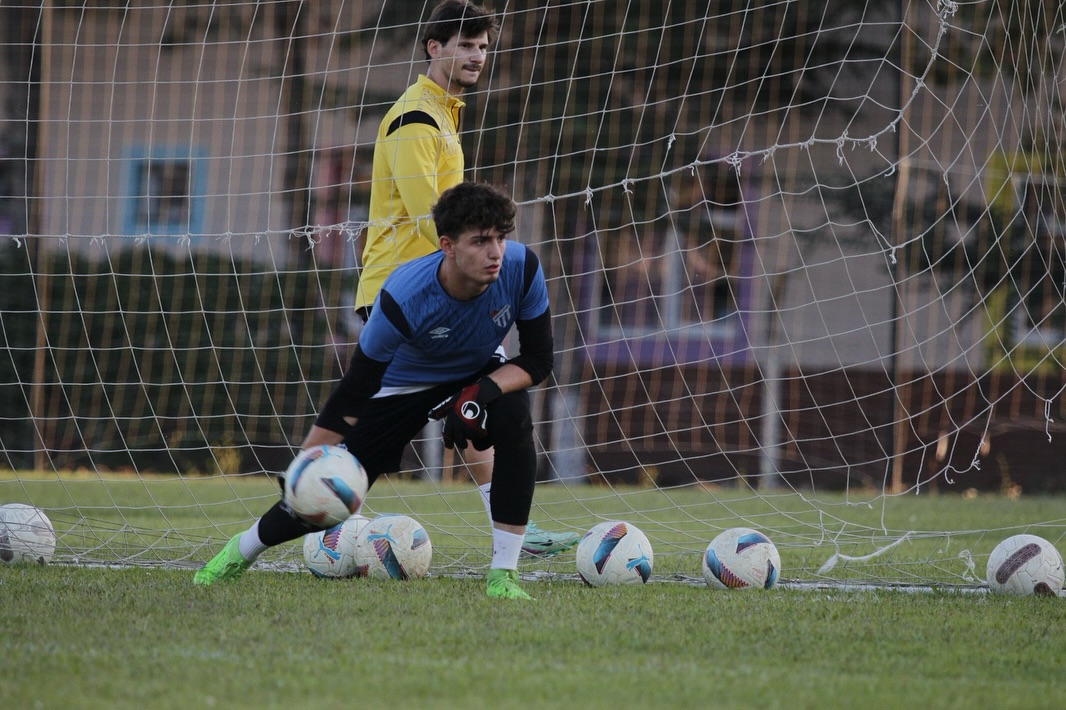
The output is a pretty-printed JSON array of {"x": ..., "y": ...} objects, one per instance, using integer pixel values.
[
  {"x": 38, "y": 256},
  {"x": 898, "y": 430}
]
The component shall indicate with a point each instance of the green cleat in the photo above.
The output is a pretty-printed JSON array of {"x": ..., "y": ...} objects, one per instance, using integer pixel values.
[
  {"x": 227, "y": 566},
  {"x": 541, "y": 543},
  {"x": 503, "y": 584}
]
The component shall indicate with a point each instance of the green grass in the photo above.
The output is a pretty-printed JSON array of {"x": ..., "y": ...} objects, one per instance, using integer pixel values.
[
  {"x": 76, "y": 637},
  {"x": 90, "y": 636},
  {"x": 911, "y": 539}
]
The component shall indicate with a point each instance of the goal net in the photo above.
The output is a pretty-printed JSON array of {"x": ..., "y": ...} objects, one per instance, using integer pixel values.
[{"x": 806, "y": 263}]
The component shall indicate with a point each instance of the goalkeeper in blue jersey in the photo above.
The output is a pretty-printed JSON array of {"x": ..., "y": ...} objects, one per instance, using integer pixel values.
[{"x": 427, "y": 351}]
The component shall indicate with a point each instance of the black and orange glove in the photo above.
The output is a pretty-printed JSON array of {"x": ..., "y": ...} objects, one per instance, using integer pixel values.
[{"x": 466, "y": 415}]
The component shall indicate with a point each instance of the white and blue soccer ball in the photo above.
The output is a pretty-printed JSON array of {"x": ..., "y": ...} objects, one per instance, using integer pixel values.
[
  {"x": 1025, "y": 565},
  {"x": 26, "y": 535},
  {"x": 393, "y": 547},
  {"x": 331, "y": 553},
  {"x": 325, "y": 485},
  {"x": 614, "y": 552},
  {"x": 741, "y": 558}
]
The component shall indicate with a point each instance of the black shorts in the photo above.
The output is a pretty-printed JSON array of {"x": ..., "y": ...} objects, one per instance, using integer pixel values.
[{"x": 388, "y": 424}]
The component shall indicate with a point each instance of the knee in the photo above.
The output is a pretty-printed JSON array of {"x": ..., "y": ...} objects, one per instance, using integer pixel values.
[{"x": 510, "y": 416}]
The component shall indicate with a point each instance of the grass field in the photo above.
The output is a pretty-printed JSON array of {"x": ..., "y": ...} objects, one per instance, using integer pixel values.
[
  {"x": 183, "y": 521},
  {"x": 93, "y": 636},
  {"x": 146, "y": 638}
]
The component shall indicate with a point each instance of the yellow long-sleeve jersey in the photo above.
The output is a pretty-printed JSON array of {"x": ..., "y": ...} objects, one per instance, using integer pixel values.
[{"x": 417, "y": 156}]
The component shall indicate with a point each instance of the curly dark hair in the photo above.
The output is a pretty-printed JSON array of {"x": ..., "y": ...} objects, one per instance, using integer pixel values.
[
  {"x": 452, "y": 17},
  {"x": 473, "y": 205}
]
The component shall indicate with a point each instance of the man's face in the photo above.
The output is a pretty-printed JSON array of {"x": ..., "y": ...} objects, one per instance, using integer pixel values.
[
  {"x": 457, "y": 64},
  {"x": 476, "y": 256}
]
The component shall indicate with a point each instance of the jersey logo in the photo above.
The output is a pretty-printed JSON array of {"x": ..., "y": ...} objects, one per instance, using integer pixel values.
[
  {"x": 438, "y": 333},
  {"x": 501, "y": 316}
]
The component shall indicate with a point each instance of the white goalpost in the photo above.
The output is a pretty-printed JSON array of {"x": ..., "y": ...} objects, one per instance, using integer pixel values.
[{"x": 806, "y": 262}]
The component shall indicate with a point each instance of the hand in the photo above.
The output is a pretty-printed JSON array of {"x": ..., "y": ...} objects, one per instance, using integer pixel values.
[{"x": 466, "y": 415}]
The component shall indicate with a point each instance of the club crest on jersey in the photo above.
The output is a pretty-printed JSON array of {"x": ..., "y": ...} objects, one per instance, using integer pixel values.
[{"x": 501, "y": 316}]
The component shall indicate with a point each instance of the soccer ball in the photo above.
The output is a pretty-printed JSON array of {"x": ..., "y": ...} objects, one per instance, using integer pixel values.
[
  {"x": 1025, "y": 565},
  {"x": 325, "y": 485},
  {"x": 331, "y": 553},
  {"x": 26, "y": 535},
  {"x": 393, "y": 547},
  {"x": 741, "y": 558},
  {"x": 614, "y": 552}
]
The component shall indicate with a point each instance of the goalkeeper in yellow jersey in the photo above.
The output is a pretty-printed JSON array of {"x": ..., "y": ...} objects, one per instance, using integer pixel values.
[{"x": 417, "y": 156}]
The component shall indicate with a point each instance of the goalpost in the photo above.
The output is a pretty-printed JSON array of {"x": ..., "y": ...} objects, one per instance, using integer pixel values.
[{"x": 807, "y": 264}]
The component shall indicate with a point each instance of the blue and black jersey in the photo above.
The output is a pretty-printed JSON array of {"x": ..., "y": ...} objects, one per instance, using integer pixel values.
[{"x": 426, "y": 337}]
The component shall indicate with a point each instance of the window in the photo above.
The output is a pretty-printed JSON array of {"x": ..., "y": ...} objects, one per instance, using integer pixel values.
[
  {"x": 1041, "y": 263},
  {"x": 163, "y": 192},
  {"x": 163, "y": 196},
  {"x": 678, "y": 272}
]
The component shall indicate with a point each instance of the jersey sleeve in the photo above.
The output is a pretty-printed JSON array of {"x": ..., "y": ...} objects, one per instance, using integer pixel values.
[
  {"x": 385, "y": 331},
  {"x": 412, "y": 151},
  {"x": 535, "y": 291},
  {"x": 536, "y": 348}
]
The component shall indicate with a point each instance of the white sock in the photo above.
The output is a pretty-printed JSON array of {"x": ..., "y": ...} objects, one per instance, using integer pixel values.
[
  {"x": 485, "y": 489},
  {"x": 505, "y": 549},
  {"x": 250, "y": 546}
]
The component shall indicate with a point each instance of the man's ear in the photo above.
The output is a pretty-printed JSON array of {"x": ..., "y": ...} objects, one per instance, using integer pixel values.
[
  {"x": 447, "y": 245},
  {"x": 433, "y": 48}
]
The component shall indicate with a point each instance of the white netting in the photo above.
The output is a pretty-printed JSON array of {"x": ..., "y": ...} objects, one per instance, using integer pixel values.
[{"x": 806, "y": 264}]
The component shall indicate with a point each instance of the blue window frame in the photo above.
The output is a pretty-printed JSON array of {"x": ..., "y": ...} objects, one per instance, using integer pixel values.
[{"x": 164, "y": 192}]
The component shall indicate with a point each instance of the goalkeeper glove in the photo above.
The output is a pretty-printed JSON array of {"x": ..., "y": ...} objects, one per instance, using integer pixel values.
[{"x": 466, "y": 415}]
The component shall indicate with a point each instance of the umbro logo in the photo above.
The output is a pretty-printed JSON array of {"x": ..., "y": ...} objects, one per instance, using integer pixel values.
[{"x": 440, "y": 332}]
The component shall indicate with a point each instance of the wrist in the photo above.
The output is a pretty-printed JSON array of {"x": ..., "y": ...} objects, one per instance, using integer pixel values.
[{"x": 487, "y": 390}]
